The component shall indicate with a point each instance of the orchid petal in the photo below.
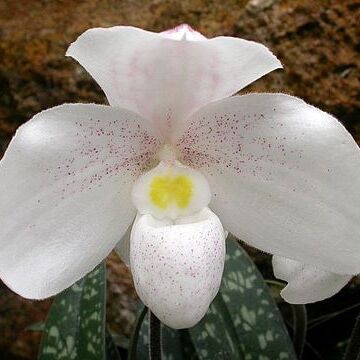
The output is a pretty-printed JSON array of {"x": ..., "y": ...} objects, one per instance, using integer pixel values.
[
  {"x": 165, "y": 77},
  {"x": 65, "y": 185},
  {"x": 306, "y": 283},
  {"x": 122, "y": 248},
  {"x": 282, "y": 175},
  {"x": 177, "y": 268}
]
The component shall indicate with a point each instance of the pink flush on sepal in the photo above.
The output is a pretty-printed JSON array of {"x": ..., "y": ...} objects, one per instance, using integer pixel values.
[
  {"x": 183, "y": 32},
  {"x": 164, "y": 79}
]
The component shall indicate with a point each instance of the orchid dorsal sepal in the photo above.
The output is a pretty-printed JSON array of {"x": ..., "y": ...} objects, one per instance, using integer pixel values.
[{"x": 171, "y": 190}]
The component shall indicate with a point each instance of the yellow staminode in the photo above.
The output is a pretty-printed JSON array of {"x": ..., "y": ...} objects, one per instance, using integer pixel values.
[{"x": 169, "y": 189}]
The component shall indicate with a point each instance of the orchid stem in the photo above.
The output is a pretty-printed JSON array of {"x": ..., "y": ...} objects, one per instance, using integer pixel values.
[
  {"x": 132, "y": 354},
  {"x": 299, "y": 328},
  {"x": 155, "y": 337},
  {"x": 353, "y": 350}
]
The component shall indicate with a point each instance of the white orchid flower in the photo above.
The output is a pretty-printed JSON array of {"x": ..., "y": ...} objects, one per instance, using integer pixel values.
[{"x": 173, "y": 150}]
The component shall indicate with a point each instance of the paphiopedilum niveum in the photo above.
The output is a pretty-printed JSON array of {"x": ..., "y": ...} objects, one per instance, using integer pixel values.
[{"x": 186, "y": 161}]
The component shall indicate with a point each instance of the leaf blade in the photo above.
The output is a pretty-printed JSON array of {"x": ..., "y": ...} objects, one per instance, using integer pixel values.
[
  {"x": 255, "y": 317},
  {"x": 75, "y": 327}
]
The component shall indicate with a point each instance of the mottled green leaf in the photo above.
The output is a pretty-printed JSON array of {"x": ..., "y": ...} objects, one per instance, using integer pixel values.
[
  {"x": 243, "y": 322},
  {"x": 215, "y": 336},
  {"x": 75, "y": 328},
  {"x": 176, "y": 344}
]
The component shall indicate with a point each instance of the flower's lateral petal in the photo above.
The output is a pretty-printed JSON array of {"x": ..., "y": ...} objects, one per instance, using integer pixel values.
[
  {"x": 306, "y": 283},
  {"x": 286, "y": 269},
  {"x": 65, "y": 187},
  {"x": 177, "y": 268},
  {"x": 165, "y": 77},
  {"x": 122, "y": 248},
  {"x": 284, "y": 177}
]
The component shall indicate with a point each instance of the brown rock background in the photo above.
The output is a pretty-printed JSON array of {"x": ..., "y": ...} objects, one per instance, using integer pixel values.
[{"x": 317, "y": 41}]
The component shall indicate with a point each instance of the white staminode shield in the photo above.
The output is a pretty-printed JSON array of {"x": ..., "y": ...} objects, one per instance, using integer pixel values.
[{"x": 171, "y": 190}]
